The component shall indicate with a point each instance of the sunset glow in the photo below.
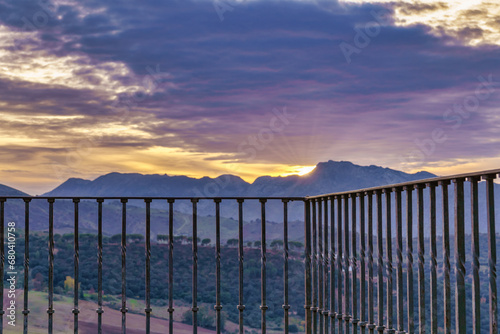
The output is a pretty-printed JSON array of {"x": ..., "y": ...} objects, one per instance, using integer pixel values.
[{"x": 181, "y": 89}]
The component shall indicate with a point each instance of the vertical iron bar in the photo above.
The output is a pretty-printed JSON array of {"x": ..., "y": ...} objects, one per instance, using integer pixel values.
[
  {"x": 388, "y": 242},
  {"x": 320, "y": 267},
  {"x": 399, "y": 251},
  {"x": 286, "y": 306},
  {"x": 325, "y": 264},
  {"x": 333, "y": 312},
  {"x": 124, "y": 309},
  {"x": 371, "y": 315},
  {"x": 194, "y": 244},
  {"x": 354, "y": 266},
  {"x": 218, "y": 306},
  {"x": 340, "y": 315},
  {"x": 347, "y": 276},
  {"x": 492, "y": 253},
  {"x": 446, "y": 257},
  {"x": 460, "y": 297},
  {"x": 362, "y": 257},
  {"x": 409, "y": 257},
  {"x": 421, "y": 259},
  {"x": 99, "y": 310},
  {"x": 76, "y": 264},
  {"x": 476, "y": 292},
  {"x": 307, "y": 264},
  {"x": 315, "y": 267},
  {"x": 148, "y": 309},
  {"x": 241, "y": 307},
  {"x": 50, "y": 310},
  {"x": 263, "y": 307},
  {"x": 2, "y": 258},
  {"x": 380, "y": 265},
  {"x": 434, "y": 301},
  {"x": 171, "y": 265},
  {"x": 26, "y": 310}
]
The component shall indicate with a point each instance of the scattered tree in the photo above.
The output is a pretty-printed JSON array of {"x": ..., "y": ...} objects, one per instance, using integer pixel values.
[{"x": 232, "y": 242}]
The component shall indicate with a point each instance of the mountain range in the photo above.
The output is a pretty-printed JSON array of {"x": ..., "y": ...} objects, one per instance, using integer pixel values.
[{"x": 327, "y": 177}]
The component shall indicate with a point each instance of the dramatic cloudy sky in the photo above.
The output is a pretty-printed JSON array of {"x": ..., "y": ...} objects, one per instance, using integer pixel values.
[{"x": 253, "y": 87}]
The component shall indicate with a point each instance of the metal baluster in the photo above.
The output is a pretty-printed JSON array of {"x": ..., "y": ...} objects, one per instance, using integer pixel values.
[
  {"x": 460, "y": 310},
  {"x": 171, "y": 265},
  {"x": 50, "y": 310},
  {"x": 340, "y": 315},
  {"x": 388, "y": 242},
  {"x": 434, "y": 301},
  {"x": 263, "y": 306},
  {"x": 371, "y": 315},
  {"x": 320, "y": 267},
  {"x": 241, "y": 307},
  {"x": 76, "y": 264},
  {"x": 26, "y": 310},
  {"x": 286, "y": 306},
  {"x": 380, "y": 265},
  {"x": 354, "y": 266},
  {"x": 148, "y": 309},
  {"x": 124, "y": 309},
  {"x": 476, "y": 292},
  {"x": 347, "y": 276},
  {"x": 421, "y": 259},
  {"x": 194, "y": 245},
  {"x": 492, "y": 252},
  {"x": 325, "y": 265},
  {"x": 314, "y": 307},
  {"x": 409, "y": 257},
  {"x": 307, "y": 264},
  {"x": 99, "y": 310},
  {"x": 362, "y": 257},
  {"x": 333, "y": 312},
  {"x": 218, "y": 306},
  {"x": 399, "y": 251},
  {"x": 446, "y": 257}
]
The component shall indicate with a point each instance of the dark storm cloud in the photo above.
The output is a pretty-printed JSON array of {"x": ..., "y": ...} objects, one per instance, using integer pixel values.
[{"x": 227, "y": 76}]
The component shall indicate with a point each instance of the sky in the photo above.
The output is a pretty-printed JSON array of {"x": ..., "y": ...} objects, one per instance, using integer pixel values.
[{"x": 245, "y": 87}]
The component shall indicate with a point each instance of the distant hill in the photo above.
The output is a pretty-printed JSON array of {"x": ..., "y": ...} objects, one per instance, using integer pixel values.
[{"x": 8, "y": 191}]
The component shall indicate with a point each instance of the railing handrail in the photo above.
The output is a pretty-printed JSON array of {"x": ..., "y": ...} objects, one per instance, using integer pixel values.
[
  {"x": 411, "y": 183},
  {"x": 290, "y": 198}
]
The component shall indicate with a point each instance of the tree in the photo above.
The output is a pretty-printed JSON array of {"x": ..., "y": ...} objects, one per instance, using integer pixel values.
[
  {"x": 232, "y": 242},
  {"x": 69, "y": 284},
  {"x": 277, "y": 243},
  {"x": 256, "y": 244},
  {"x": 206, "y": 242},
  {"x": 162, "y": 237},
  {"x": 206, "y": 318},
  {"x": 135, "y": 237},
  {"x": 296, "y": 244}
]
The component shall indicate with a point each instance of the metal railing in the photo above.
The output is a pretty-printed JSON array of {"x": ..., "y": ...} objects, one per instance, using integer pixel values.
[
  {"x": 342, "y": 269},
  {"x": 147, "y": 229},
  {"x": 335, "y": 258}
]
